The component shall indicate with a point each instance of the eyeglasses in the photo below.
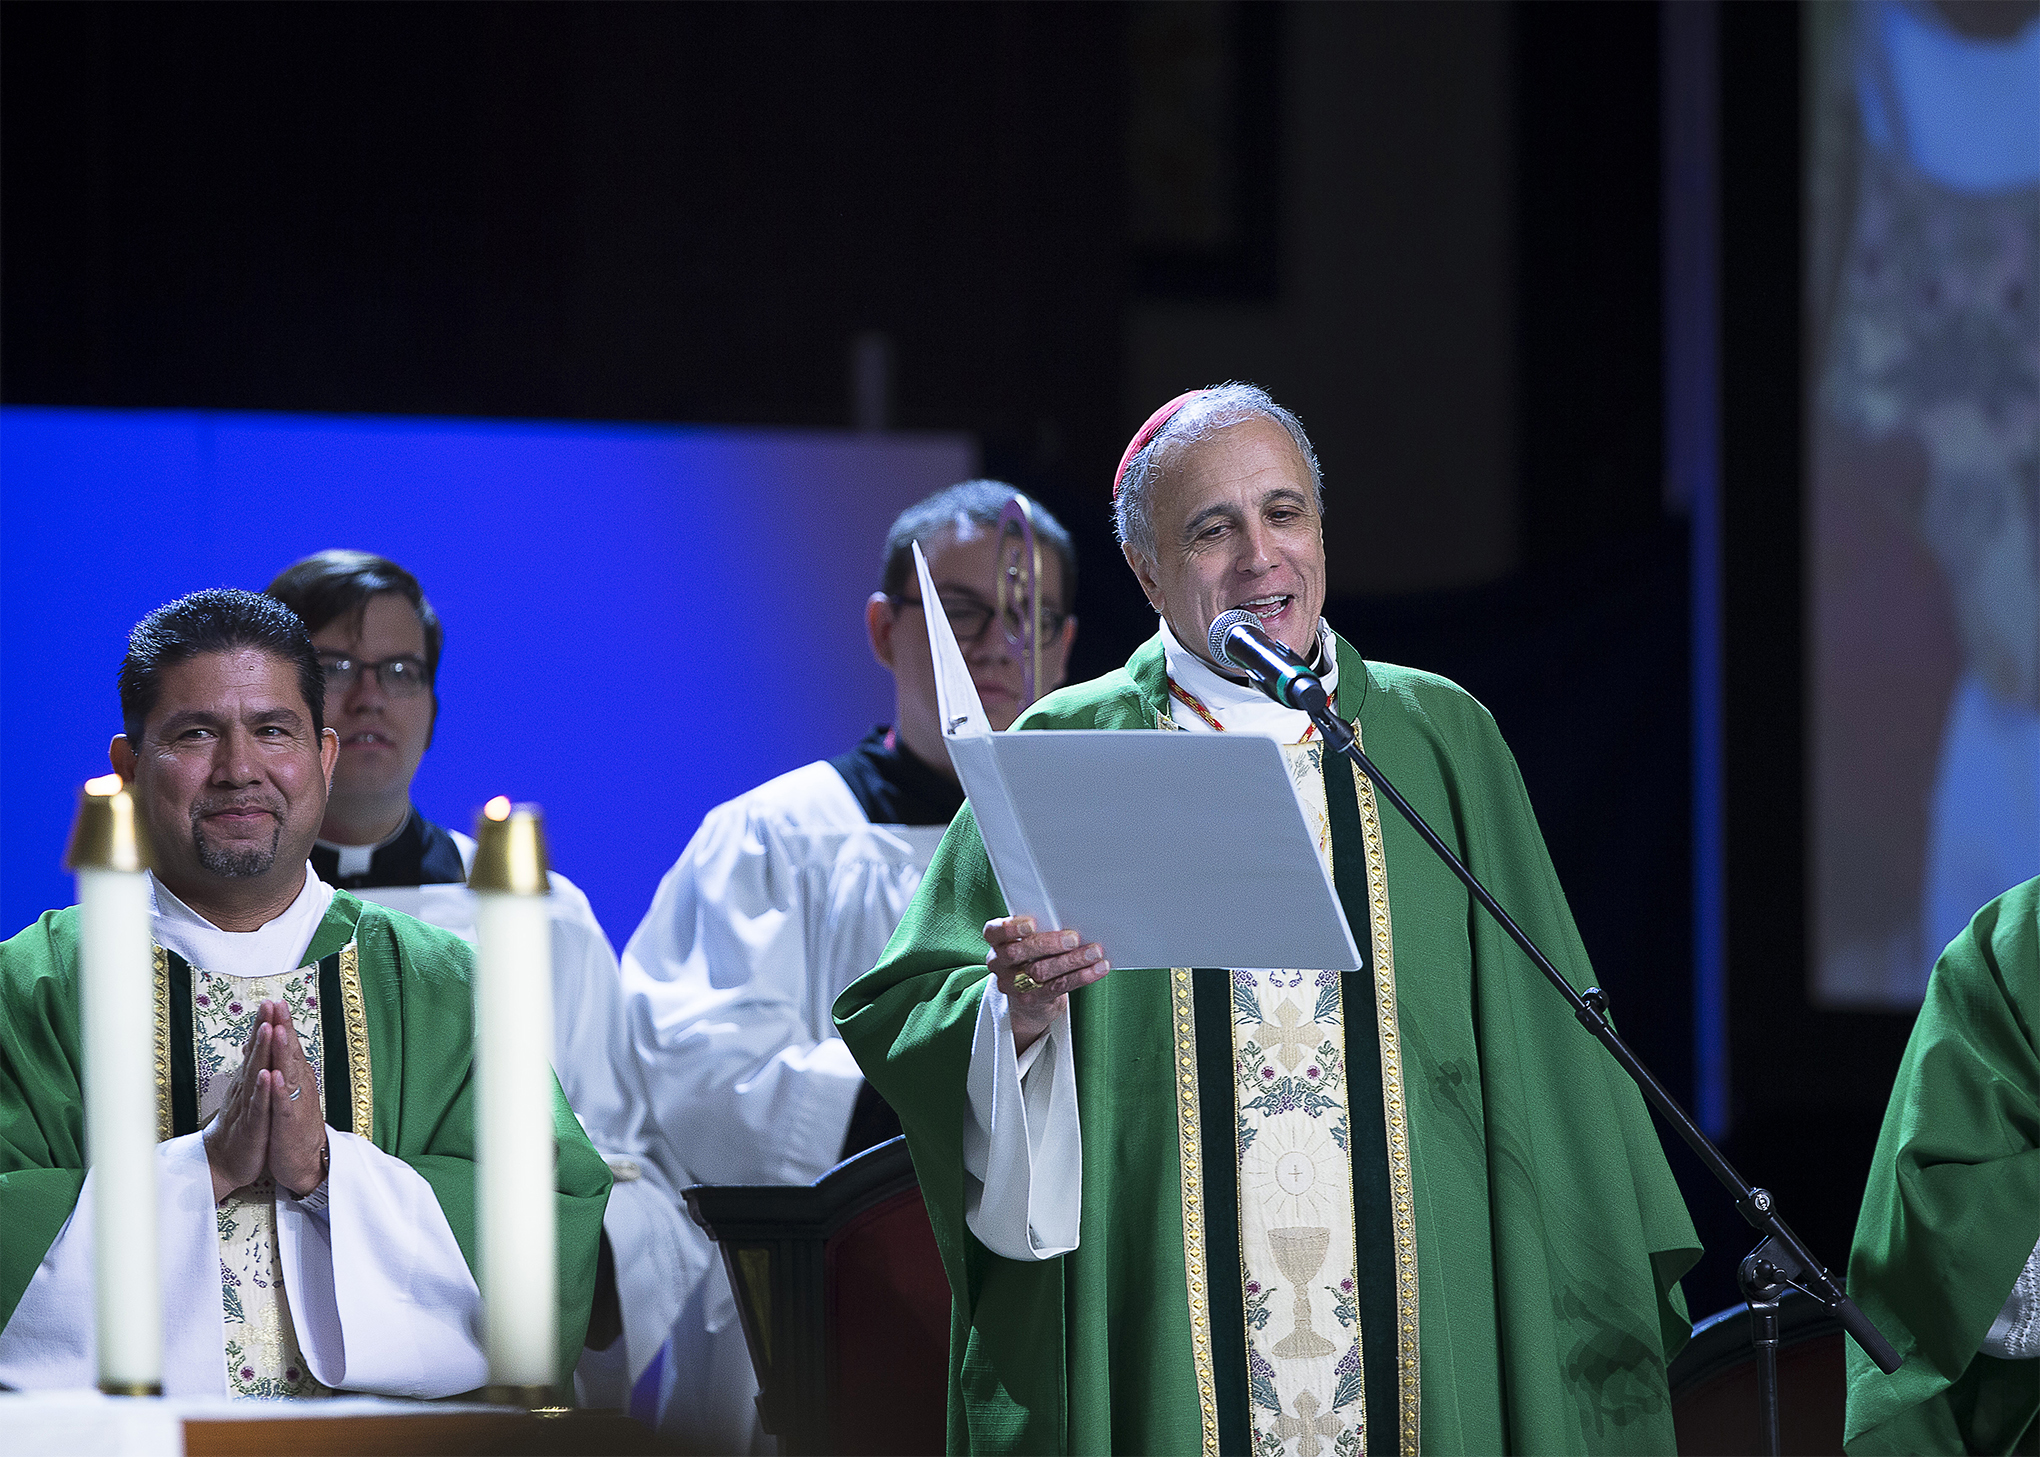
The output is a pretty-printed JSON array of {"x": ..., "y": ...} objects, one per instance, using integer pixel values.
[
  {"x": 400, "y": 677},
  {"x": 969, "y": 617}
]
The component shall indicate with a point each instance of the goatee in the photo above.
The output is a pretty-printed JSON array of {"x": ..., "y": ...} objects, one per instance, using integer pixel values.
[
  {"x": 244, "y": 862},
  {"x": 236, "y": 864}
]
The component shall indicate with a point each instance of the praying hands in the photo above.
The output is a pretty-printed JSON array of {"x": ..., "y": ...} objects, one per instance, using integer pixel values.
[{"x": 272, "y": 1121}]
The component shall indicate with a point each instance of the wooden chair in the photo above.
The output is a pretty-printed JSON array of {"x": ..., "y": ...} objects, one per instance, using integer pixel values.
[
  {"x": 844, "y": 1305},
  {"x": 1714, "y": 1383}
]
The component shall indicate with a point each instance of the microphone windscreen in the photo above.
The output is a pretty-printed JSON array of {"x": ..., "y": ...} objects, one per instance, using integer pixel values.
[{"x": 1222, "y": 625}]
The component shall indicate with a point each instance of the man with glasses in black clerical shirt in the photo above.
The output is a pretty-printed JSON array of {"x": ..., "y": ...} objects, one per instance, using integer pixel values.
[
  {"x": 787, "y": 894},
  {"x": 379, "y": 641}
]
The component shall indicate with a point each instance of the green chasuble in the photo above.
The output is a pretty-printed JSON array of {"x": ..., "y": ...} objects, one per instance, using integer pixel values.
[
  {"x": 1491, "y": 1139},
  {"x": 1953, "y": 1206},
  {"x": 397, "y": 1045}
]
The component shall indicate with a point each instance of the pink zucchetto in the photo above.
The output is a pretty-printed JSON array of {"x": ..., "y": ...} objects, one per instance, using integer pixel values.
[{"x": 1143, "y": 436}]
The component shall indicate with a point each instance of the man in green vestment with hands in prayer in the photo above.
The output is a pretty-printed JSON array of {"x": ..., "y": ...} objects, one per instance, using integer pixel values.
[
  {"x": 1280, "y": 1211},
  {"x": 1946, "y": 1259},
  {"x": 316, "y": 1182}
]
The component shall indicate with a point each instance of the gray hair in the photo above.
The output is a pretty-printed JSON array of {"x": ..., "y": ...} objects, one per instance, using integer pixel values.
[
  {"x": 1218, "y": 407},
  {"x": 979, "y": 502}
]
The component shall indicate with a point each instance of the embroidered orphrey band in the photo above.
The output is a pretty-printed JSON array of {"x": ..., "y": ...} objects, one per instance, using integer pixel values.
[
  {"x": 1396, "y": 1111},
  {"x": 359, "y": 1084},
  {"x": 1190, "y": 1151},
  {"x": 160, "y": 962}
]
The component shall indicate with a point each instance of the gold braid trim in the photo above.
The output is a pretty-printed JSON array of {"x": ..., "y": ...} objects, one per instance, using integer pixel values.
[
  {"x": 360, "y": 1081},
  {"x": 1189, "y": 1138},
  {"x": 1395, "y": 1111},
  {"x": 160, "y": 961}
]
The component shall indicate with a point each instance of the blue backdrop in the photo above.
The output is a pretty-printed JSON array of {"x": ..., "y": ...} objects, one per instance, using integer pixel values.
[{"x": 640, "y": 622}]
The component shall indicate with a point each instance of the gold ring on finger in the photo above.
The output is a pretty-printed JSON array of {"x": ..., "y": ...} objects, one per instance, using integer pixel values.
[{"x": 1022, "y": 982}]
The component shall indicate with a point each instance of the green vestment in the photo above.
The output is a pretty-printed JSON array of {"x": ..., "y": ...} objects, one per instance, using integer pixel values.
[
  {"x": 415, "y": 1004},
  {"x": 1952, "y": 1210},
  {"x": 1548, "y": 1231}
]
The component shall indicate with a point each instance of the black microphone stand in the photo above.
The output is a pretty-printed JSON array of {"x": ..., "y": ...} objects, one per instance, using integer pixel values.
[{"x": 1780, "y": 1259}]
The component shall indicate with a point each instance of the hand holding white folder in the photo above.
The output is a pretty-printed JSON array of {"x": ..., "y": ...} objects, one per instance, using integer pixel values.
[{"x": 1164, "y": 848}]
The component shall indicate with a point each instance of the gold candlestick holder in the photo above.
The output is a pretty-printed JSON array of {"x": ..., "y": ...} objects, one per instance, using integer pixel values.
[
  {"x": 107, "y": 833},
  {"x": 510, "y": 849}
]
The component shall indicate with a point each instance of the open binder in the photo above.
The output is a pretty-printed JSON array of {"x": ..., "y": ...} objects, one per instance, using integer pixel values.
[{"x": 1166, "y": 848}]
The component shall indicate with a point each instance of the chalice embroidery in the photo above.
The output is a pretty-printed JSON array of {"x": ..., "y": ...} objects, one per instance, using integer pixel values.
[{"x": 1300, "y": 1254}]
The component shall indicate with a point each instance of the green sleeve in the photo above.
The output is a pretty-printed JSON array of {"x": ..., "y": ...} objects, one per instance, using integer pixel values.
[
  {"x": 910, "y": 1019},
  {"x": 420, "y": 1002},
  {"x": 910, "y": 1023},
  {"x": 1952, "y": 1210},
  {"x": 42, "y": 1106}
]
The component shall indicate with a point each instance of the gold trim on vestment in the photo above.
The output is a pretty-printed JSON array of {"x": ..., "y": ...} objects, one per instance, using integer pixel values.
[
  {"x": 1395, "y": 1110},
  {"x": 1190, "y": 1153},
  {"x": 160, "y": 963},
  {"x": 360, "y": 1083}
]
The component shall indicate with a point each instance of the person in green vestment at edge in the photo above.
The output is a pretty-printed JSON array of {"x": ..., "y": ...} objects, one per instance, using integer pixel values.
[
  {"x": 316, "y": 1163},
  {"x": 1280, "y": 1211},
  {"x": 1946, "y": 1259}
]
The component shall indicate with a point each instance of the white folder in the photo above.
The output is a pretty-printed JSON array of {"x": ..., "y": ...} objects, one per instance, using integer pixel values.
[{"x": 1165, "y": 848}]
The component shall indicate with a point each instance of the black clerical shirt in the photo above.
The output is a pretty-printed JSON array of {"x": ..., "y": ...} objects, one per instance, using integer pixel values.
[
  {"x": 420, "y": 854},
  {"x": 893, "y": 787}
]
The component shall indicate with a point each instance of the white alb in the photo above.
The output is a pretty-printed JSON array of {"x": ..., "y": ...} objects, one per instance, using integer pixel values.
[{"x": 380, "y": 1296}]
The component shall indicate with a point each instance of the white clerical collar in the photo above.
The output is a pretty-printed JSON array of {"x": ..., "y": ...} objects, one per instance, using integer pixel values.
[
  {"x": 1240, "y": 708},
  {"x": 269, "y": 950},
  {"x": 356, "y": 859}
]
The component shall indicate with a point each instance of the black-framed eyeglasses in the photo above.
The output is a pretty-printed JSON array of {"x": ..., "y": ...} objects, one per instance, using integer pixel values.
[
  {"x": 970, "y": 616},
  {"x": 401, "y": 677}
]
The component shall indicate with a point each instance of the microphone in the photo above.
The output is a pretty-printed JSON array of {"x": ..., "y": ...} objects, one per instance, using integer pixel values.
[{"x": 1240, "y": 642}]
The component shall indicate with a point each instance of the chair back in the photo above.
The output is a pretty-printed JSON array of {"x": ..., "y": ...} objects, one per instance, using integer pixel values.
[{"x": 844, "y": 1305}]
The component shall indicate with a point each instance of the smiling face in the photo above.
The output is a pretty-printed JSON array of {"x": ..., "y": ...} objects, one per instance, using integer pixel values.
[
  {"x": 1236, "y": 524},
  {"x": 382, "y": 735},
  {"x": 231, "y": 778}
]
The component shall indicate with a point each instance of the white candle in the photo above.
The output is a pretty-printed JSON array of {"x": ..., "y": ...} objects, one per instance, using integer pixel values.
[
  {"x": 514, "y": 1214},
  {"x": 117, "y": 1009}
]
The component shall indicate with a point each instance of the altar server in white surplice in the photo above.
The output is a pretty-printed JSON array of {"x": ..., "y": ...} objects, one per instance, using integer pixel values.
[
  {"x": 380, "y": 640},
  {"x": 315, "y": 1163},
  {"x": 789, "y": 893}
]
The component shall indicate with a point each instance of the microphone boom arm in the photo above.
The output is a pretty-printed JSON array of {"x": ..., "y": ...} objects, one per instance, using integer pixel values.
[
  {"x": 1782, "y": 1258},
  {"x": 1781, "y": 1249}
]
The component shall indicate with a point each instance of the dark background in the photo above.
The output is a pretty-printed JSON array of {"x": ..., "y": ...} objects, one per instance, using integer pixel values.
[{"x": 1438, "y": 238}]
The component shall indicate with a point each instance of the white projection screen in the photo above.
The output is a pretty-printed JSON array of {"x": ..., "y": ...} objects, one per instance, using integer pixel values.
[{"x": 1922, "y": 198}]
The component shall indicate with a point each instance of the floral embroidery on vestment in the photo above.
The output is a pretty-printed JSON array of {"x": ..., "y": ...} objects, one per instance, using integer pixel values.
[
  {"x": 1290, "y": 1085},
  {"x": 262, "y": 1353},
  {"x": 1297, "y": 1226}
]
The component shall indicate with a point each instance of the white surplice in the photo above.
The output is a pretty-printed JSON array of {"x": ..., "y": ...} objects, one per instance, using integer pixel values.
[
  {"x": 1022, "y": 1149},
  {"x": 657, "y": 1250},
  {"x": 380, "y": 1297},
  {"x": 784, "y": 896}
]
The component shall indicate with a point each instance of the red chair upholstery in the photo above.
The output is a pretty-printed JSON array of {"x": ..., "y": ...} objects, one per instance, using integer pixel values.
[
  {"x": 844, "y": 1305},
  {"x": 887, "y": 1308}
]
